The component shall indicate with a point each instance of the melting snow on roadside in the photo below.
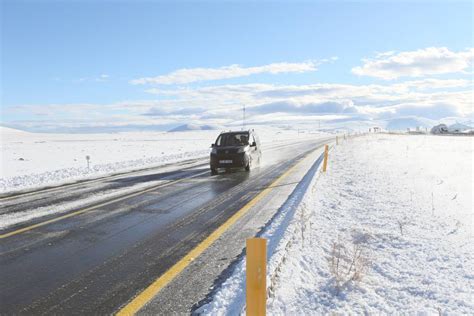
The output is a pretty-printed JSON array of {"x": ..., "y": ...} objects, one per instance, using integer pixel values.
[{"x": 388, "y": 229}]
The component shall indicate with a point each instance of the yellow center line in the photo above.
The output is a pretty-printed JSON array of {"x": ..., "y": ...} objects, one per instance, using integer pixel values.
[
  {"x": 147, "y": 294},
  {"x": 28, "y": 228}
]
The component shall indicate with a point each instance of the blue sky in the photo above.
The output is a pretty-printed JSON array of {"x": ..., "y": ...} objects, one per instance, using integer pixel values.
[{"x": 76, "y": 63}]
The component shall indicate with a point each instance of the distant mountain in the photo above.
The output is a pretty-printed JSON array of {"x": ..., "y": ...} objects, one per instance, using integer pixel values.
[
  {"x": 401, "y": 124},
  {"x": 7, "y": 131},
  {"x": 458, "y": 127},
  {"x": 92, "y": 129},
  {"x": 194, "y": 127}
]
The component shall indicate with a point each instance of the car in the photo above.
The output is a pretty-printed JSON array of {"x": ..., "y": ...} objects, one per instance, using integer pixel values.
[{"x": 235, "y": 149}]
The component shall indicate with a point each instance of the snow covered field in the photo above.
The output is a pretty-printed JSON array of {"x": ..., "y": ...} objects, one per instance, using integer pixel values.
[
  {"x": 388, "y": 229},
  {"x": 31, "y": 159}
]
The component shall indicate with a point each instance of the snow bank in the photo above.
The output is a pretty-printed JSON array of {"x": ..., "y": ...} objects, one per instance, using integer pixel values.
[
  {"x": 31, "y": 160},
  {"x": 406, "y": 203}
]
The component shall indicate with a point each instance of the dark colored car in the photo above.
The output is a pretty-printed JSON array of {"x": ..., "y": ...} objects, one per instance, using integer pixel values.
[{"x": 235, "y": 150}]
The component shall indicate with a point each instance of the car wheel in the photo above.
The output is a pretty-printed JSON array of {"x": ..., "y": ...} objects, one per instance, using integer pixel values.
[{"x": 247, "y": 168}]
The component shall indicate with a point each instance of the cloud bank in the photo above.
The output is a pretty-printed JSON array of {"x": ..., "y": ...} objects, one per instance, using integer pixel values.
[
  {"x": 418, "y": 63},
  {"x": 433, "y": 99}
]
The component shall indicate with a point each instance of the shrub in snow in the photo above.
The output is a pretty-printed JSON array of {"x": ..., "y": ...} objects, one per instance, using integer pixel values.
[
  {"x": 400, "y": 226},
  {"x": 347, "y": 264}
]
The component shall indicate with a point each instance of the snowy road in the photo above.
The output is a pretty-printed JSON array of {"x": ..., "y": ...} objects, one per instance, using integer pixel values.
[{"x": 99, "y": 243}]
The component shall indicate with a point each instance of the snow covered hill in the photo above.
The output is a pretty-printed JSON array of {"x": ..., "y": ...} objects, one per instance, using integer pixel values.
[{"x": 7, "y": 132}]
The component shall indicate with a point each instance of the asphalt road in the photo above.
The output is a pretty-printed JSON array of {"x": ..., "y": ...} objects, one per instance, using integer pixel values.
[{"x": 106, "y": 252}]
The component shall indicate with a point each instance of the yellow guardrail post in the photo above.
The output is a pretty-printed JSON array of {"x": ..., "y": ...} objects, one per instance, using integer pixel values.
[
  {"x": 256, "y": 287},
  {"x": 325, "y": 163}
]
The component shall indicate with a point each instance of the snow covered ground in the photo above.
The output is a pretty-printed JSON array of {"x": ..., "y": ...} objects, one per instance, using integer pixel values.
[
  {"x": 31, "y": 160},
  {"x": 388, "y": 229}
]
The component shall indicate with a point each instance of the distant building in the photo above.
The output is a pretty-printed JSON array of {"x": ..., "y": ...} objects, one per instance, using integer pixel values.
[{"x": 375, "y": 129}]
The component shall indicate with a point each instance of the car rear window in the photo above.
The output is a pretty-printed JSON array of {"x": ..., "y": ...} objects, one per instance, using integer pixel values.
[{"x": 234, "y": 139}]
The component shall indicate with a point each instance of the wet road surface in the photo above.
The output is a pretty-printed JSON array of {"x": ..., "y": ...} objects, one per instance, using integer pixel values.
[{"x": 96, "y": 261}]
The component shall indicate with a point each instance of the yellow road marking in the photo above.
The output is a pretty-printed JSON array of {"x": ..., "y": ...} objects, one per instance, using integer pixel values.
[
  {"x": 146, "y": 295},
  {"x": 25, "y": 229}
]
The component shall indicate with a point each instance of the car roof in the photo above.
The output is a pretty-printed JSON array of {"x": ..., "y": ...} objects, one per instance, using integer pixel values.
[{"x": 236, "y": 132}]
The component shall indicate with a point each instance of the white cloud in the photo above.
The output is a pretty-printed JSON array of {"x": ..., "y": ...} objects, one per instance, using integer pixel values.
[
  {"x": 100, "y": 78},
  {"x": 419, "y": 63},
  {"x": 103, "y": 77},
  {"x": 426, "y": 84},
  {"x": 183, "y": 76},
  {"x": 286, "y": 118}
]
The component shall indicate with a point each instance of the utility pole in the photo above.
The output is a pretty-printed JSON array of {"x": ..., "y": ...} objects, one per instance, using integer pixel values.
[{"x": 243, "y": 118}]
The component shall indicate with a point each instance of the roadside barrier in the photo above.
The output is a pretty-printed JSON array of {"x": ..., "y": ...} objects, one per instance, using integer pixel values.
[
  {"x": 256, "y": 285},
  {"x": 256, "y": 265},
  {"x": 325, "y": 162}
]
